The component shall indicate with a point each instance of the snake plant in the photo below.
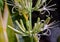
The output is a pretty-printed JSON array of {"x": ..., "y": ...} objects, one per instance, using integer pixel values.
[{"x": 24, "y": 7}]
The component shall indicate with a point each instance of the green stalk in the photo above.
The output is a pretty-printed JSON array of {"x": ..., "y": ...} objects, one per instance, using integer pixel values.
[
  {"x": 31, "y": 39},
  {"x": 30, "y": 15},
  {"x": 36, "y": 38},
  {"x": 30, "y": 20}
]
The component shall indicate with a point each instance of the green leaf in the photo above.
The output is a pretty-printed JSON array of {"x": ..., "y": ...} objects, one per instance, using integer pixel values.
[
  {"x": 11, "y": 34},
  {"x": 1, "y": 4}
]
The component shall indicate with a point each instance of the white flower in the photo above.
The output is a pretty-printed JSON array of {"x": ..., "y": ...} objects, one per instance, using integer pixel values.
[{"x": 47, "y": 8}]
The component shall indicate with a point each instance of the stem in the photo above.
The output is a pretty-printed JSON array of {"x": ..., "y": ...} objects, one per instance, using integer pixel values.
[
  {"x": 36, "y": 38},
  {"x": 31, "y": 38},
  {"x": 30, "y": 15},
  {"x": 30, "y": 20}
]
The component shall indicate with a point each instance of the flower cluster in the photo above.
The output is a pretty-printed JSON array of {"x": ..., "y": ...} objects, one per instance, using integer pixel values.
[{"x": 25, "y": 8}]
